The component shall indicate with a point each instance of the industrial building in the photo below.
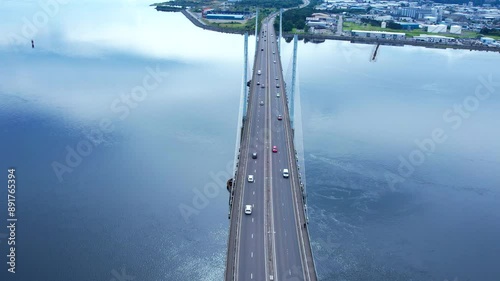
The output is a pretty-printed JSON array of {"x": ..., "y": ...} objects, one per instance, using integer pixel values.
[
  {"x": 487, "y": 40},
  {"x": 212, "y": 14},
  {"x": 408, "y": 25},
  {"x": 434, "y": 38},
  {"x": 318, "y": 24},
  {"x": 414, "y": 13},
  {"x": 224, "y": 17},
  {"x": 378, "y": 34}
]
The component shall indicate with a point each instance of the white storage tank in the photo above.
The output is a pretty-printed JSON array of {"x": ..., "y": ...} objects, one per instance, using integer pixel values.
[
  {"x": 442, "y": 28},
  {"x": 436, "y": 28},
  {"x": 456, "y": 29}
]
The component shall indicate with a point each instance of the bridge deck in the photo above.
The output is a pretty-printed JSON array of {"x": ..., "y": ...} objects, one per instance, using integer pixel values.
[{"x": 273, "y": 239}]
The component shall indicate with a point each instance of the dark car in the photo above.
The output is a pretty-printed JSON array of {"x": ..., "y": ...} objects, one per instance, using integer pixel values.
[
  {"x": 280, "y": 117},
  {"x": 275, "y": 149}
]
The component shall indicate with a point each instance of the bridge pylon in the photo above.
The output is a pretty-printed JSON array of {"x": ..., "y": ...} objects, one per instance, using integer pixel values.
[
  {"x": 294, "y": 78},
  {"x": 281, "y": 31},
  {"x": 241, "y": 119},
  {"x": 256, "y": 28}
]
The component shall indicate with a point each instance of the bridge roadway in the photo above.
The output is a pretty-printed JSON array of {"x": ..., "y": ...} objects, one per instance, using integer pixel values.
[{"x": 272, "y": 240}]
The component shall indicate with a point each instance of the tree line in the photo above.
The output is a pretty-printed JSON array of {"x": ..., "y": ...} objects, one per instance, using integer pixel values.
[{"x": 490, "y": 31}]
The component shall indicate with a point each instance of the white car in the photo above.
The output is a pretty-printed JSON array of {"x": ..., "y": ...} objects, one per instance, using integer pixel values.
[
  {"x": 248, "y": 209},
  {"x": 250, "y": 178},
  {"x": 285, "y": 173},
  {"x": 277, "y": 95}
]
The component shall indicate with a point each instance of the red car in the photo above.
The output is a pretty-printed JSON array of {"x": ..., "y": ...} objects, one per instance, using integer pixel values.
[
  {"x": 275, "y": 149},
  {"x": 280, "y": 117}
]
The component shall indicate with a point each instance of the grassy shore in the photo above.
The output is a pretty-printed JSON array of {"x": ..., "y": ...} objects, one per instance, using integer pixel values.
[{"x": 248, "y": 25}]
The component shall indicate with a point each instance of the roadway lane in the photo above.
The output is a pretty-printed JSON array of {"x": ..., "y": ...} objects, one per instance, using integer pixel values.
[
  {"x": 252, "y": 254},
  {"x": 288, "y": 255}
]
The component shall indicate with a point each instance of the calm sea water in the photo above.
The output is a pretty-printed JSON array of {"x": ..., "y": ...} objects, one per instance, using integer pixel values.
[{"x": 131, "y": 206}]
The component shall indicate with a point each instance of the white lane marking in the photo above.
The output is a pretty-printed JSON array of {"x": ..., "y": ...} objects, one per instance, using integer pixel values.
[
  {"x": 252, "y": 219},
  {"x": 252, "y": 235},
  {"x": 255, "y": 171},
  {"x": 254, "y": 193},
  {"x": 251, "y": 275},
  {"x": 290, "y": 271},
  {"x": 251, "y": 255}
]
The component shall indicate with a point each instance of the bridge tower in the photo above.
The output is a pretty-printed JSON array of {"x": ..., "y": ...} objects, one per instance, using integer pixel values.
[
  {"x": 294, "y": 77},
  {"x": 245, "y": 75},
  {"x": 281, "y": 30},
  {"x": 241, "y": 119},
  {"x": 256, "y": 28}
]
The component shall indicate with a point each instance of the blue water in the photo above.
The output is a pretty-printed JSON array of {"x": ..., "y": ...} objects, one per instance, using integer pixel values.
[
  {"x": 442, "y": 221},
  {"x": 131, "y": 207}
]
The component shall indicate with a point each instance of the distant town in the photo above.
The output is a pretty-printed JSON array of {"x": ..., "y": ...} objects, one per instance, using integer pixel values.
[{"x": 466, "y": 24}]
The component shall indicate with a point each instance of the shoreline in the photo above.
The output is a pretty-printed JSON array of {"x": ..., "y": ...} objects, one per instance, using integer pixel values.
[
  {"x": 391, "y": 42},
  {"x": 351, "y": 39},
  {"x": 204, "y": 26}
]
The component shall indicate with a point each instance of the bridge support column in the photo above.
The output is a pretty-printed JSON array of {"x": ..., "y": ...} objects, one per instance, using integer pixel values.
[
  {"x": 245, "y": 76},
  {"x": 294, "y": 77},
  {"x": 242, "y": 112},
  {"x": 281, "y": 30},
  {"x": 257, "y": 29}
]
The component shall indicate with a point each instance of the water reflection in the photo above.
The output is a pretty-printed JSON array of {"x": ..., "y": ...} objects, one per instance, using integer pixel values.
[{"x": 101, "y": 28}]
